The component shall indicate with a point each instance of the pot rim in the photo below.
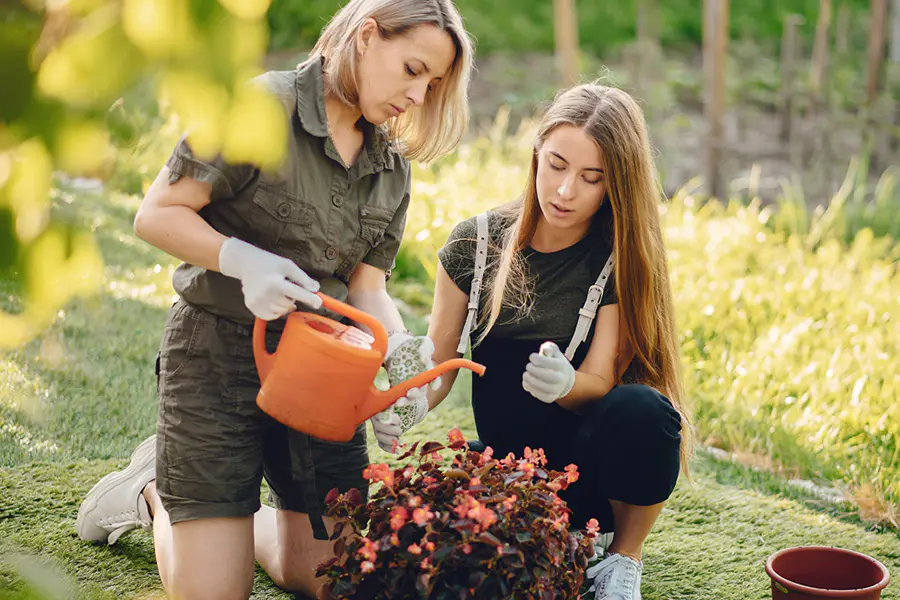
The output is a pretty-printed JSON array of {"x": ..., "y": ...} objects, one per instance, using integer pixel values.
[{"x": 799, "y": 587}]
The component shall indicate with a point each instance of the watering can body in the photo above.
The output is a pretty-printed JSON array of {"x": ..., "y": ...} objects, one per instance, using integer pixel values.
[{"x": 320, "y": 379}]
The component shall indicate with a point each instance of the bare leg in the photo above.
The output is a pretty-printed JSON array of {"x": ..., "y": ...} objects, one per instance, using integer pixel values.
[
  {"x": 633, "y": 525},
  {"x": 206, "y": 558},
  {"x": 287, "y": 550}
]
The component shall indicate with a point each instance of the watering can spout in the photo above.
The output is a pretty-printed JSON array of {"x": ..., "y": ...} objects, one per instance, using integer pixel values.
[{"x": 378, "y": 401}]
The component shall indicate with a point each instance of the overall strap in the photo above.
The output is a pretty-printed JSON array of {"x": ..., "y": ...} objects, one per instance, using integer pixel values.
[
  {"x": 587, "y": 312},
  {"x": 481, "y": 247}
]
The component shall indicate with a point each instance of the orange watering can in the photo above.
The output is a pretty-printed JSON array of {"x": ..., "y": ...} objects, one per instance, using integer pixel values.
[{"x": 320, "y": 379}]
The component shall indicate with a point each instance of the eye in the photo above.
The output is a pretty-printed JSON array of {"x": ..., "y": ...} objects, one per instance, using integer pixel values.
[
  {"x": 593, "y": 181},
  {"x": 409, "y": 70},
  {"x": 555, "y": 166}
]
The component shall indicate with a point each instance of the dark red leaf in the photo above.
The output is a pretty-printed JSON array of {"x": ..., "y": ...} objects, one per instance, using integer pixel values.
[
  {"x": 430, "y": 447},
  {"x": 513, "y": 477},
  {"x": 354, "y": 497},
  {"x": 332, "y": 496},
  {"x": 457, "y": 474},
  {"x": 409, "y": 452},
  {"x": 489, "y": 538},
  {"x": 338, "y": 529}
]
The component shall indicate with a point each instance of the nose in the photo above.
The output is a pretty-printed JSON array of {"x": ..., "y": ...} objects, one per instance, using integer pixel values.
[
  {"x": 416, "y": 94},
  {"x": 566, "y": 189}
]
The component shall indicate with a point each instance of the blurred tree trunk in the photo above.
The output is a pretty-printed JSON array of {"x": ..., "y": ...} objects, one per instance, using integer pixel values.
[
  {"x": 877, "y": 23},
  {"x": 895, "y": 32},
  {"x": 566, "y": 34},
  {"x": 872, "y": 138},
  {"x": 818, "y": 74},
  {"x": 648, "y": 22},
  {"x": 842, "y": 29},
  {"x": 789, "y": 53},
  {"x": 715, "y": 47}
]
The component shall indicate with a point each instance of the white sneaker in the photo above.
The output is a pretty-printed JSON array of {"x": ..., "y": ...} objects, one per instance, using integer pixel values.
[
  {"x": 616, "y": 577},
  {"x": 116, "y": 505}
]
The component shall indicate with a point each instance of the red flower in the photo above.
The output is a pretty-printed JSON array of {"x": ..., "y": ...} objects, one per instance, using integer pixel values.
[
  {"x": 421, "y": 516},
  {"x": 456, "y": 438},
  {"x": 592, "y": 527},
  {"x": 379, "y": 472},
  {"x": 414, "y": 549},
  {"x": 399, "y": 517}
]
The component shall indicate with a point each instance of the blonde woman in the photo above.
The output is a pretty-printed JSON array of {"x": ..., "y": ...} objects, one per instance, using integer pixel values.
[
  {"x": 571, "y": 295},
  {"x": 386, "y": 83}
]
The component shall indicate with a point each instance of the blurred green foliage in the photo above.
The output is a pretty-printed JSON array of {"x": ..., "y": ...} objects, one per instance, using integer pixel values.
[{"x": 525, "y": 25}]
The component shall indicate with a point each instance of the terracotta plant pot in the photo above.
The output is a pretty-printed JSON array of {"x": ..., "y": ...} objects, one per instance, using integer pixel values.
[{"x": 825, "y": 572}]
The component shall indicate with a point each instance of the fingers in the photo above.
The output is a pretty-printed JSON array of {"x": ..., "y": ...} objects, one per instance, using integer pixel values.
[
  {"x": 388, "y": 418},
  {"x": 298, "y": 293},
  {"x": 299, "y": 276},
  {"x": 272, "y": 309},
  {"x": 550, "y": 376},
  {"x": 537, "y": 385},
  {"x": 542, "y": 396},
  {"x": 549, "y": 349},
  {"x": 547, "y": 362}
]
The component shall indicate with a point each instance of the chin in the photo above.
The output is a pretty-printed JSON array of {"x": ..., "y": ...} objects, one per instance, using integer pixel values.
[{"x": 377, "y": 118}]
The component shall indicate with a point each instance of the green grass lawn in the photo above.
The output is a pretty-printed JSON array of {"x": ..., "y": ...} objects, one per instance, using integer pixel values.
[{"x": 74, "y": 402}]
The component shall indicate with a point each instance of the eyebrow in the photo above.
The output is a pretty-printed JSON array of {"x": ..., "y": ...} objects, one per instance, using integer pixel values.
[{"x": 559, "y": 156}]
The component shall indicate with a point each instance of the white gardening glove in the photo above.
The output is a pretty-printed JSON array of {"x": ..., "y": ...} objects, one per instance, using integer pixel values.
[
  {"x": 407, "y": 356},
  {"x": 548, "y": 375},
  {"x": 271, "y": 284}
]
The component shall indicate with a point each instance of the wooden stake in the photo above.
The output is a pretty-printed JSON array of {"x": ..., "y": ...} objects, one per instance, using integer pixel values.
[
  {"x": 565, "y": 27},
  {"x": 820, "y": 51},
  {"x": 715, "y": 45},
  {"x": 647, "y": 21},
  {"x": 877, "y": 28},
  {"x": 788, "y": 57},
  {"x": 895, "y": 32},
  {"x": 842, "y": 31}
]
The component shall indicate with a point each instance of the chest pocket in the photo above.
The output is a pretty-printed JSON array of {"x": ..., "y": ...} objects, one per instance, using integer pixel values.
[
  {"x": 373, "y": 222},
  {"x": 281, "y": 222}
]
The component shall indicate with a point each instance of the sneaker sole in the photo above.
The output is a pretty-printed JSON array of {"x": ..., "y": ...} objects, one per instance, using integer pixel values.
[{"x": 138, "y": 459}]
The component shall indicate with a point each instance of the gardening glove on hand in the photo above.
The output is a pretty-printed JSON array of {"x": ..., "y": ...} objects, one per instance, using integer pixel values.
[
  {"x": 548, "y": 375},
  {"x": 407, "y": 356},
  {"x": 271, "y": 284}
]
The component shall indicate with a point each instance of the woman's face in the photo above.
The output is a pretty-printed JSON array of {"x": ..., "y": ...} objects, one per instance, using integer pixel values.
[
  {"x": 395, "y": 74},
  {"x": 571, "y": 184}
]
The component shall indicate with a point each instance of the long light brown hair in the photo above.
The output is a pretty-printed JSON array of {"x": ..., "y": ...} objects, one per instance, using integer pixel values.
[
  {"x": 630, "y": 212},
  {"x": 438, "y": 125}
]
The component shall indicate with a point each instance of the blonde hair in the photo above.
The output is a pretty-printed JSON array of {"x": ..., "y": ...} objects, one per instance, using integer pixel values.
[
  {"x": 647, "y": 322},
  {"x": 438, "y": 125}
]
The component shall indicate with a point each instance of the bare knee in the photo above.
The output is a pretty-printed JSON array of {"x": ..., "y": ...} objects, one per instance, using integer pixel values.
[
  {"x": 296, "y": 571},
  {"x": 186, "y": 585},
  {"x": 212, "y": 559}
]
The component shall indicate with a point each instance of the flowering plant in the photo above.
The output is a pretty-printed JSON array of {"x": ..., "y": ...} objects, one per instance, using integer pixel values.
[{"x": 481, "y": 527}]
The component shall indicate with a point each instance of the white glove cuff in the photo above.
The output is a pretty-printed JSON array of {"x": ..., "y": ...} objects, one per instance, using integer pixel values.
[{"x": 230, "y": 257}]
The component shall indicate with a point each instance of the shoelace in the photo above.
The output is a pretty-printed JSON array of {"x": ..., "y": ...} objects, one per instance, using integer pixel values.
[{"x": 622, "y": 584}]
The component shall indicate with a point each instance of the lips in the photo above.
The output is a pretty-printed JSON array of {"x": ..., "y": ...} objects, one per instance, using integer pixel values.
[
  {"x": 560, "y": 208},
  {"x": 397, "y": 109}
]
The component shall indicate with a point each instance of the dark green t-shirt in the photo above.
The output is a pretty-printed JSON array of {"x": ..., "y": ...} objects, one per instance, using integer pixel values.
[{"x": 560, "y": 281}]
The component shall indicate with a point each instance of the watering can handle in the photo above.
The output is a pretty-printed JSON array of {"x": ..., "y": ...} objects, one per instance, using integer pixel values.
[
  {"x": 264, "y": 358},
  {"x": 359, "y": 316}
]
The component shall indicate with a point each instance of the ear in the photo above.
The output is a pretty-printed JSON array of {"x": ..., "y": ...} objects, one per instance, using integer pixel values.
[{"x": 365, "y": 34}]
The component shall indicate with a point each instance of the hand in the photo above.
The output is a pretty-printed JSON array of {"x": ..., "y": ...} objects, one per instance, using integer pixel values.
[
  {"x": 548, "y": 375},
  {"x": 271, "y": 284},
  {"x": 393, "y": 422},
  {"x": 407, "y": 356}
]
